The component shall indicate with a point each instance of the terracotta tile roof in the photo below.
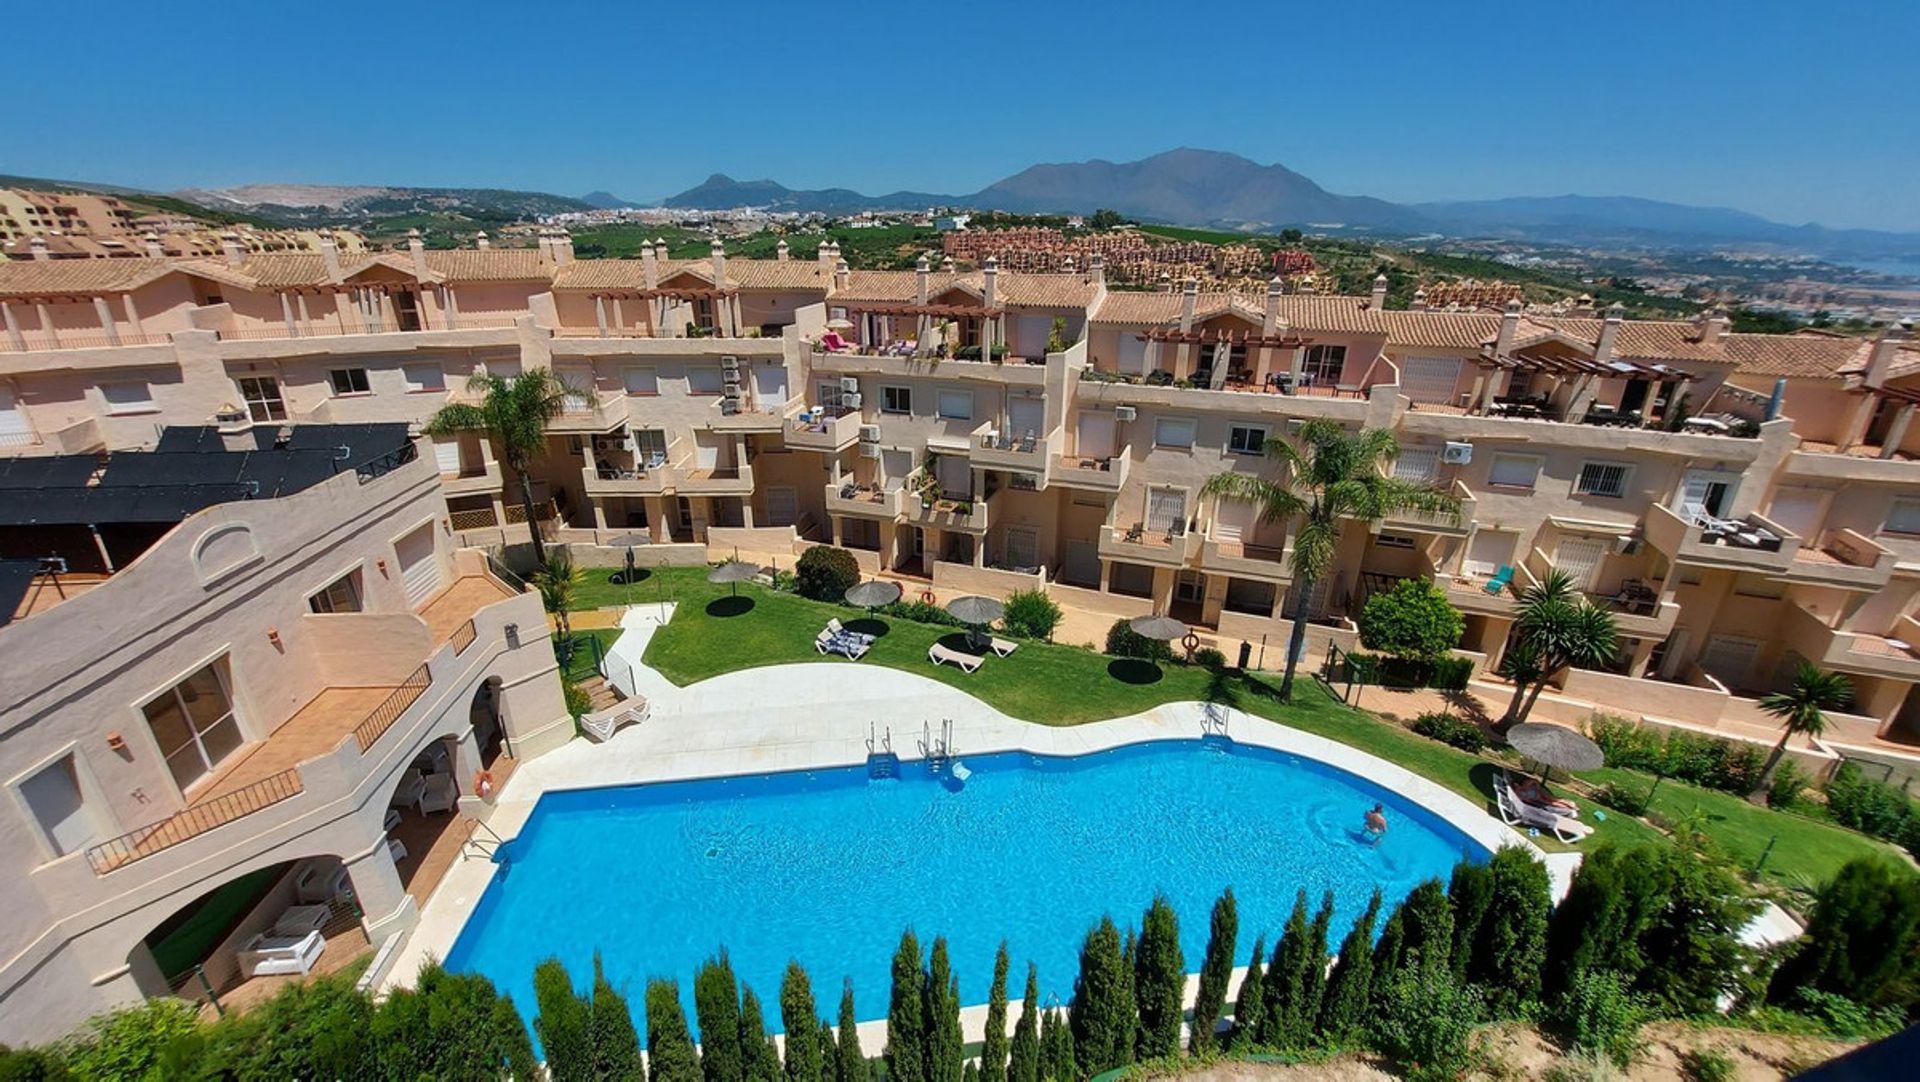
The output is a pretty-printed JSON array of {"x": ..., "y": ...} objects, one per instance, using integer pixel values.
[
  {"x": 1047, "y": 290},
  {"x": 1645, "y": 339},
  {"x": 600, "y": 274},
  {"x": 1305, "y": 312},
  {"x": 1138, "y": 308},
  {"x": 489, "y": 265},
  {"x": 59, "y": 276},
  {"x": 900, "y": 287},
  {"x": 1327, "y": 312},
  {"x": 794, "y": 274},
  {"x": 1801, "y": 356},
  {"x": 1440, "y": 330}
]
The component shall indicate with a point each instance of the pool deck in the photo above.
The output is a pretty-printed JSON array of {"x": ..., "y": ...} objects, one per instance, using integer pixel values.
[{"x": 801, "y": 717}]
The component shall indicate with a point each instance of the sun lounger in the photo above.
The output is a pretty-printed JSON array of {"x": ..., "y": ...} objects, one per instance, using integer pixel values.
[
  {"x": 1516, "y": 812},
  {"x": 835, "y": 627},
  {"x": 396, "y": 849},
  {"x": 278, "y": 955},
  {"x": 412, "y": 785},
  {"x": 442, "y": 794},
  {"x": 1500, "y": 580},
  {"x": 602, "y": 724},
  {"x": 846, "y": 644},
  {"x": 298, "y": 920},
  {"x": 1533, "y": 793},
  {"x": 1003, "y": 647},
  {"x": 941, "y": 655}
]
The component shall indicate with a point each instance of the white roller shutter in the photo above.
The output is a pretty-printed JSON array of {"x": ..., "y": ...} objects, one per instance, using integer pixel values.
[
  {"x": 770, "y": 385},
  {"x": 1430, "y": 380},
  {"x": 419, "y": 571},
  {"x": 1096, "y": 434},
  {"x": 14, "y": 429},
  {"x": 1579, "y": 558},
  {"x": 783, "y": 505},
  {"x": 446, "y": 455},
  {"x": 1232, "y": 519}
]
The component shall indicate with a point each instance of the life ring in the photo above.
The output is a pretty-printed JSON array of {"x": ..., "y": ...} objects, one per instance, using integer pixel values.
[
  {"x": 926, "y": 596},
  {"x": 482, "y": 784},
  {"x": 1191, "y": 642}
]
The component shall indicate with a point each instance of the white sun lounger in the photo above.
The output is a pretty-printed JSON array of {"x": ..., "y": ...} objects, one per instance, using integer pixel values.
[
  {"x": 835, "y": 627},
  {"x": 845, "y": 644},
  {"x": 602, "y": 724},
  {"x": 278, "y": 955},
  {"x": 939, "y": 654},
  {"x": 1516, "y": 812},
  {"x": 298, "y": 920},
  {"x": 1003, "y": 647}
]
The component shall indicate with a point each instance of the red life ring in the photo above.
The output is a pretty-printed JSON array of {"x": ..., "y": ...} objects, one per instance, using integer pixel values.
[
  {"x": 926, "y": 596},
  {"x": 482, "y": 784}
]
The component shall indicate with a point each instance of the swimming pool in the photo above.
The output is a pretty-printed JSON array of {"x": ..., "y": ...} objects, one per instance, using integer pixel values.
[{"x": 828, "y": 866}]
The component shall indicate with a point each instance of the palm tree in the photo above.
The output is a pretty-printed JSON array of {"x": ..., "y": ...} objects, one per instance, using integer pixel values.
[
  {"x": 513, "y": 413},
  {"x": 1557, "y": 627},
  {"x": 1802, "y": 709},
  {"x": 557, "y": 580},
  {"x": 1332, "y": 475}
]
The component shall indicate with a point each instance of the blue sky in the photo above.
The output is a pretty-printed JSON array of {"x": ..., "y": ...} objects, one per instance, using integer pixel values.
[{"x": 1798, "y": 111}]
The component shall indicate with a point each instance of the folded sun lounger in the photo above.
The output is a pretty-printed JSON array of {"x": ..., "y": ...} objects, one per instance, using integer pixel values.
[
  {"x": 1003, "y": 647},
  {"x": 271, "y": 955},
  {"x": 939, "y": 655}
]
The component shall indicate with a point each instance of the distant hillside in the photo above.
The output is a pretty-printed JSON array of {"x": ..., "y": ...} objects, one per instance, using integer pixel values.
[
  {"x": 722, "y": 192},
  {"x": 375, "y": 208},
  {"x": 606, "y": 201}
]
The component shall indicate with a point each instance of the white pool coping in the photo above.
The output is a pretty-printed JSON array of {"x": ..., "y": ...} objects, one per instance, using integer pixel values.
[{"x": 811, "y": 716}]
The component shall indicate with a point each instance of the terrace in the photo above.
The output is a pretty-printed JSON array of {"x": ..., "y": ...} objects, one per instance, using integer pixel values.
[{"x": 1754, "y": 543}]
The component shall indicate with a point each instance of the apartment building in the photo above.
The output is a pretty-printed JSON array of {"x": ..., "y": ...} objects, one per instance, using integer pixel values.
[
  {"x": 243, "y": 657},
  {"x": 981, "y": 430}
]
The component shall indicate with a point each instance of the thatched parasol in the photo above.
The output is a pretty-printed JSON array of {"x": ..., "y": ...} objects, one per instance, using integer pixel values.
[
  {"x": 1163, "y": 628},
  {"x": 872, "y": 595},
  {"x": 976, "y": 612},
  {"x": 1556, "y": 746},
  {"x": 733, "y": 572}
]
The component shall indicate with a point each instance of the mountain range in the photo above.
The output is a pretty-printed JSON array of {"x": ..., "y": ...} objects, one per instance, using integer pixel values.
[{"x": 1211, "y": 188}]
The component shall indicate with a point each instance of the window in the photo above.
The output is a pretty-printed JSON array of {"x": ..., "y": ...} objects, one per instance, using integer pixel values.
[
  {"x": 194, "y": 725},
  {"x": 1904, "y": 517},
  {"x": 643, "y": 381},
  {"x": 57, "y": 799},
  {"x": 1175, "y": 432},
  {"x": 1325, "y": 363},
  {"x": 649, "y": 447},
  {"x": 129, "y": 396},
  {"x": 349, "y": 381},
  {"x": 422, "y": 378},
  {"x": 1394, "y": 541},
  {"x": 1602, "y": 479},
  {"x": 342, "y": 595},
  {"x": 703, "y": 381},
  {"x": 1417, "y": 464},
  {"x": 262, "y": 396},
  {"x": 1513, "y": 471},
  {"x": 896, "y": 400},
  {"x": 954, "y": 405},
  {"x": 1246, "y": 440},
  {"x": 1166, "y": 511}
]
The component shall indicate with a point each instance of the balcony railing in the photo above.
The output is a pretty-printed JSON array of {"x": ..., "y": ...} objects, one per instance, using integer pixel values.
[
  {"x": 463, "y": 636},
  {"x": 368, "y": 732},
  {"x": 193, "y": 822},
  {"x": 387, "y": 463},
  {"x": 102, "y": 340},
  {"x": 481, "y": 518}
]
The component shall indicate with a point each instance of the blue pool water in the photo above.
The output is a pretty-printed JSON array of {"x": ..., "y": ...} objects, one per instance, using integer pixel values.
[{"x": 829, "y": 866}]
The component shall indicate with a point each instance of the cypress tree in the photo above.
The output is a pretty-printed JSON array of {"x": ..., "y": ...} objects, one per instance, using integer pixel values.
[
  {"x": 802, "y": 1023},
  {"x": 1216, "y": 969},
  {"x": 759, "y": 1059},
  {"x": 1387, "y": 956},
  {"x": 1249, "y": 1007},
  {"x": 1344, "y": 1008},
  {"x": 616, "y": 1045},
  {"x": 970, "y": 1073},
  {"x": 1281, "y": 1023},
  {"x": 1057, "y": 1050},
  {"x": 906, "y": 1053},
  {"x": 564, "y": 1022},
  {"x": 849, "y": 1062},
  {"x": 1427, "y": 925},
  {"x": 829, "y": 1053},
  {"x": 716, "y": 1006},
  {"x": 1023, "y": 1060},
  {"x": 1102, "y": 1016},
  {"x": 1129, "y": 997},
  {"x": 993, "y": 1047},
  {"x": 1511, "y": 948},
  {"x": 1160, "y": 980},
  {"x": 670, "y": 1055},
  {"x": 946, "y": 1049},
  {"x": 1314, "y": 982},
  {"x": 1471, "y": 892},
  {"x": 1609, "y": 904}
]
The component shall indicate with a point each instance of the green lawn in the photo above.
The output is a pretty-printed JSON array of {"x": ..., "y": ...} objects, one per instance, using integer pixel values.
[{"x": 711, "y": 634}]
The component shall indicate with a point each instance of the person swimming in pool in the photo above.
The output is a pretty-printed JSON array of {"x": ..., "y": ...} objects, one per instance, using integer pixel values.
[{"x": 1376, "y": 823}]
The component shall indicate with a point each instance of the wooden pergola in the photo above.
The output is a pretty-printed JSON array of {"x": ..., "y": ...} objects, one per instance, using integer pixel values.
[{"x": 1215, "y": 337}]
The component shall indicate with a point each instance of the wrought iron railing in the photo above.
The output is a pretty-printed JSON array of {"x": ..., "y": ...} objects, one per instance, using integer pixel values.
[
  {"x": 463, "y": 637},
  {"x": 395, "y": 704},
  {"x": 194, "y": 821},
  {"x": 388, "y": 462}
]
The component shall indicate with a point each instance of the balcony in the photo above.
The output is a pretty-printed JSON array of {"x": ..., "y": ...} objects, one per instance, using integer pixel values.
[
  {"x": 1092, "y": 474},
  {"x": 865, "y": 501},
  {"x": 745, "y": 415},
  {"x": 1266, "y": 563},
  {"x": 853, "y": 364},
  {"x": 1855, "y": 652},
  {"x": 967, "y": 516},
  {"x": 1446, "y": 525},
  {"x": 1136, "y": 544},
  {"x": 1847, "y": 559},
  {"x": 1751, "y": 544},
  {"x": 714, "y": 481},
  {"x": 1467, "y": 590},
  {"x": 597, "y": 411},
  {"x": 480, "y": 480},
  {"x": 617, "y": 481},
  {"x": 824, "y": 429},
  {"x": 994, "y": 448}
]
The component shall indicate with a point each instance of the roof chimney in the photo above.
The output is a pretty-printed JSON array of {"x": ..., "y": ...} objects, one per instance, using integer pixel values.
[
  {"x": 1097, "y": 267},
  {"x": 230, "y": 247},
  {"x": 419, "y": 249},
  {"x": 780, "y": 250},
  {"x": 1884, "y": 349},
  {"x": 823, "y": 255},
  {"x": 649, "y": 266},
  {"x": 717, "y": 252},
  {"x": 833, "y": 249},
  {"x": 1379, "y": 292},
  {"x": 1509, "y": 323},
  {"x": 1609, "y": 332},
  {"x": 154, "y": 248},
  {"x": 991, "y": 271},
  {"x": 1273, "y": 307},
  {"x": 946, "y": 265},
  {"x": 920, "y": 281},
  {"x": 562, "y": 245},
  {"x": 1419, "y": 300},
  {"x": 1715, "y": 326},
  {"x": 38, "y": 245},
  {"x": 330, "y": 253},
  {"x": 1166, "y": 282},
  {"x": 1067, "y": 264},
  {"x": 481, "y": 242},
  {"x": 1583, "y": 306},
  {"x": 1189, "y": 297},
  {"x": 660, "y": 249},
  {"x": 840, "y": 274}
]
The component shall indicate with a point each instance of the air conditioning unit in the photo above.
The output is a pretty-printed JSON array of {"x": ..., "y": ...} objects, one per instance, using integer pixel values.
[
  {"x": 849, "y": 385},
  {"x": 608, "y": 443},
  {"x": 729, "y": 363},
  {"x": 870, "y": 433},
  {"x": 1125, "y": 413},
  {"x": 731, "y": 378},
  {"x": 869, "y": 450},
  {"x": 850, "y": 399},
  {"x": 1626, "y": 544},
  {"x": 729, "y": 406},
  {"x": 1294, "y": 425},
  {"x": 1457, "y": 454}
]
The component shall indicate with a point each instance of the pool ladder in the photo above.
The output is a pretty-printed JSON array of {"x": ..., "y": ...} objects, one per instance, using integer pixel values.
[
  {"x": 488, "y": 847},
  {"x": 881, "y": 761},
  {"x": 938, "y": 753}
]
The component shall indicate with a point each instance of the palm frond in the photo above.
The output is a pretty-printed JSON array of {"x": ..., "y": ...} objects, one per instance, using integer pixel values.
[{"x": 456, "y": 417}]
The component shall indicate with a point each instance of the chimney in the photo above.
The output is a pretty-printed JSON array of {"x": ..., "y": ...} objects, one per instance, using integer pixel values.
[
  {"x": 946, "y": 265},
  {"x": 154, "y": 248},
  {"x": 1584, "y": 306},
  {"x": 1273, "y": 306},
  {"x": 1189, "y": 297},
  {"x": 991, "y": 270},
  {"x": 330, "y": 254},
  {"x": 717, "y": 252},
  {"x": 660, "y": 249},
  {"x": 1166, "y": 282},
  {"x": 920, "y": 281},
  {"x": 562, "y": 246},
  {"x": 230, "y": 247},
  {"x": 840, "y": 274},
  {"x": 1509, "y": 323},
  {"x": 1419, "y": 300},
  {"x": 1307, "y": 287},
  {"x": 543, "y": 240},
  {"x": 1379, "y": 292},
  {"x": 481, "y": 242},
  {"x": 38, "y": 245},
  {"x": 649, "y": 265},
  {"x": 1609, "y": 332},
  {"x": 780, "y": 251},
  {"x": 1715, "y": 327},
  {"x": 823, "y": 255},
  {"x": 419, "y": 249},
  {"x": 1067, "y": 265},
  {"x": 1884, "y": 350},
  {"x": 1097, "y": 267}
]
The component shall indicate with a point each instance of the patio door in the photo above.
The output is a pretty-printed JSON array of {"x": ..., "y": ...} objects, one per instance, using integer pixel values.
[
  {"x": 896, "y": 465},
  {"x": 1095, "y": 434},
  {"x": 955, "y": 475},
  {"x": 419, "y": 570},
  {"x": 1024, "y": 416},
  {"x": 1189, "y": 588},
  {"x": 770, "y": 386},
  {"x": 1430, "y": 380},
  {"x": 1166, "y": 511},
  {"x": 1730, "y": 659},
  {"x": 1705, "y": 492},
  {"x": 1133, "y": 355},
  {"x": 1579, "y": 558},
  {"x": 1023, "y": 548},
  {"x": 1489, "y": 550},
  {"x": 783, "y": 505},
  {"x": 1082, "y": 564}
]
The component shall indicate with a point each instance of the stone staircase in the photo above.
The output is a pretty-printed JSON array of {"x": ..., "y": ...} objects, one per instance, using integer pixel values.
[{"x": 600, "y": 693}]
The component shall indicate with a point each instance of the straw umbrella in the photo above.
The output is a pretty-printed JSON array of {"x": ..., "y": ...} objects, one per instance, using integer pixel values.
[
  {"x": 733, "y": 573},
  {"x": 975, "y": 612},
  {"x": 1157, "y": 627},
  {"x": 627, "y": 541},
  {"x": 873, "y": 594},
  {"x": 1555, "y": 746}
]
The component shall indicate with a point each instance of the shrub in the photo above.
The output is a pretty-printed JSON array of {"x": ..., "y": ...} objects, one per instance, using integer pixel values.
[
  {"x": 802, "y": 1023},
  {"x": 1626, "y": 798},
  {"x": 1448, "y": 729},
  {"x": 1706, "y": 1065},
  {"x": 1451, "y": 673},
  {"x": 1868, "y": 806},
  {"x": 670, "y": 1054},
  {"x": 1730, "y": 766},
  {"x": 1597, "y": 1013},
  {"x": 993, "y": 1049},
  {"x": 1102, "y": 1015},
  {"x": 1847, "y": 1019},
  {"x": 1343, "y": 1009},
  {"x": 1023, "y": 1052},
  {"x": 1862, "y": 940},
  {"x": 1159, "y": 980},
  {"x": 1031, "y": 614},
  {"x": 1428, "y": 1024},
  {"x": 1216, "y": 969},
  {"x": 716, "y": 1007},
  {"x": 920, "y": 612},
  {"x": 1581, "y": 1065},
  {"x": 564, "y": 1022},
  {"x": 1124, "y": 641},
  {"x": 946, "y": 1057},
  {"x": 906, "y": 1052},
  {"x": 825, "y": 573},
  {"x": 131, "y": 1042},
  {"x": 32, "y": 1065},
  {"x": 1208, "y": 657},
  {"x": 1789, "y": 784},
  {"x": 1412, "y": 620}
]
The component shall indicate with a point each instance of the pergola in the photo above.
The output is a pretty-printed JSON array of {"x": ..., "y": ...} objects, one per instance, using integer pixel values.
[
  {"x": 1570, "y": 367},
  {"x": 725, "y": 301},
  {"x": 986, "y": 318},
  {"x": 1224, "y": 340},
  {"x": 372, "y": 302}
]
